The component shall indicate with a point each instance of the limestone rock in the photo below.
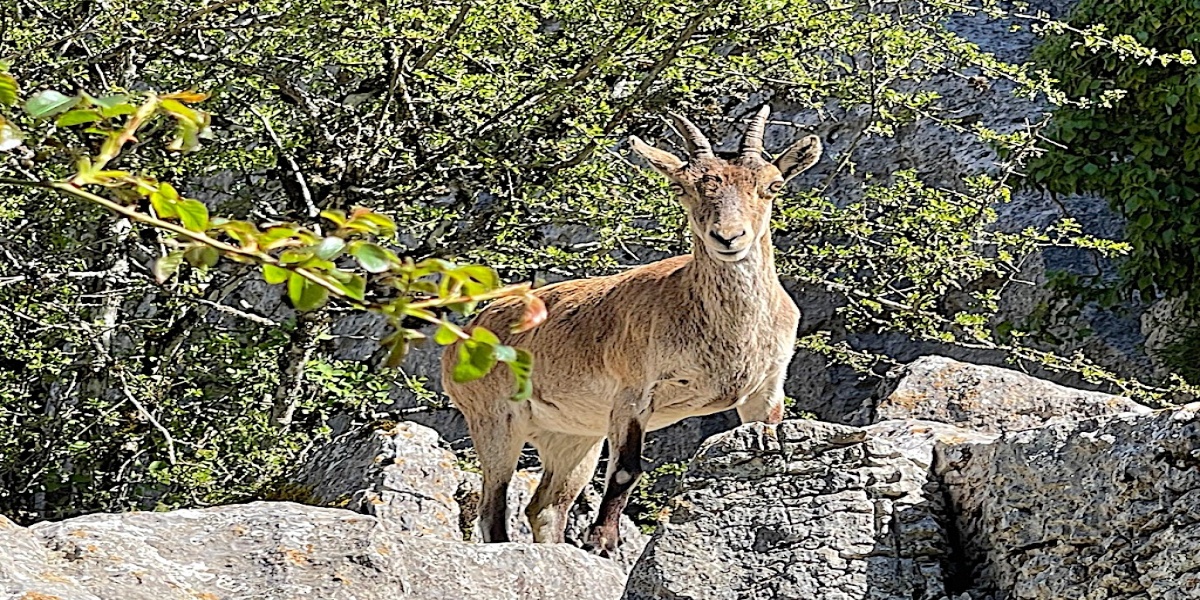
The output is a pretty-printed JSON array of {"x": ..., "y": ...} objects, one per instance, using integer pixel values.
[
  {"x": 1099, "y": 508},
  {"x": 399, "y": 473},
  {"x": 277, "y": 550},
  {"x": 801, "y": 510},
  {"x": 985, "y": 398}
]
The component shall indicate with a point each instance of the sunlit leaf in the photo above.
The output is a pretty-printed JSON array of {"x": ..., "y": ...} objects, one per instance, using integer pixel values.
[
  {"x": 193, "y": 214},
  {"x": 475, "y": 360},
  {"x": 338, "y": 217},
  {"x": 330, "y": 247},
  {"x": 304, "y": 294},
  {"x": 372, "y": 257},
  {"x": 448, "y": 333},
  {"x": 273, "y": 274},
  {"x": 293, "y": 256},
  {"x": 186, "y": 96},
  {"x": 75, "y": 117},
  {"x": 483, "y": 335},
  {"x": 354, "y": 286},
  {"x": 49, "y": 103}
]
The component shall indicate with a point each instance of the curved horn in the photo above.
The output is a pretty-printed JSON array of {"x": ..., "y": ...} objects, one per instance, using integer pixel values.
[
  {"x": 697, "y": 145},
  {"x": 752, "y": 143}
]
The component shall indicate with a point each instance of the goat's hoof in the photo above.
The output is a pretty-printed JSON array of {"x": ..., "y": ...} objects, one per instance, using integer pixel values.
[{"x": 601, "y": 542}]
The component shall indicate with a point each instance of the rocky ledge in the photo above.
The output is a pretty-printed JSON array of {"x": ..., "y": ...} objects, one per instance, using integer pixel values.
[{"x": 981, "y": 484}]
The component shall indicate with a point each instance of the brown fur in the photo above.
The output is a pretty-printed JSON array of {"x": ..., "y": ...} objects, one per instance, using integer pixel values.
[{"x": 634, "y": 352}]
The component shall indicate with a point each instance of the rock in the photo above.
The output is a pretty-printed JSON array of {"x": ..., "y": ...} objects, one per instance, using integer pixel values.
[
  {"x": 283, "y": 550},
  {"x": 399, "y": 473},
  {"x": 1099, "y": 508},
  {"x": 583, "y": 513},
  {"x": 23, "y": 572},
  {"x": 985, "y": 398},
  {"x": 801, "y": 510}
]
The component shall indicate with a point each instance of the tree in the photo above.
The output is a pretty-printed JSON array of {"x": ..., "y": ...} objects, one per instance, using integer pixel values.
[
  {"x": 1133, "y": 137},
  {"x": 480, "y": 130}
]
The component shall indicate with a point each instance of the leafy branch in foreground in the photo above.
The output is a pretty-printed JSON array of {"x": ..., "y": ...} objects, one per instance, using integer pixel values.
[{"x": 318, "y": 265}]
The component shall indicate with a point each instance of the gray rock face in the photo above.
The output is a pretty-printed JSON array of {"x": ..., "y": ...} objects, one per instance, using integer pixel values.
[
  {"x": 801, "y": 510},
  {"x": 984, "y": 398},
  {"x": 398, "y": 473},
  {"x": 282, "y": 550},
  {"x": 1099, "y": 508}
]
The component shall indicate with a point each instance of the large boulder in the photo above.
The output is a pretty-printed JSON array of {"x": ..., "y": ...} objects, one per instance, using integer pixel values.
[
  {"x": 398, "y": 472},
  {"x": 802, "y": 510},
  {"x": 1107, "y": 507},
  {"x": 984, "y": 398},
  {"x": 282, "y": 550}
]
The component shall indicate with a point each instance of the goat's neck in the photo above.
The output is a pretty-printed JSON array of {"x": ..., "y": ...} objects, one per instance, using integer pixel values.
[{"x": 745, "y": 285}]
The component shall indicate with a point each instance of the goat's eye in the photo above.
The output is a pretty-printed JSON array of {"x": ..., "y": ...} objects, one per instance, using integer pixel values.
[
  {"x": 775, "y": 186},
  {"x": 677, "y": 189}
]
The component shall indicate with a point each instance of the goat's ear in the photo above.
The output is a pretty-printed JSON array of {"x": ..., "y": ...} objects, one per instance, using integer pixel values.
[
  {"x": 797, "y": 159},
  {"x": 664, "y": 162}
]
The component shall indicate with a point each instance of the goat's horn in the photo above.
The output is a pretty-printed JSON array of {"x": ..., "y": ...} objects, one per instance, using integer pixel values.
[
  {"x": 697, "y": 145},
  {"x": 752, "y": 143}
]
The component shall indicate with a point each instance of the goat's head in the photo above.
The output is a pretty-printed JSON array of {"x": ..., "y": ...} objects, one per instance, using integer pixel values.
[{"x": 728, "y": 199}]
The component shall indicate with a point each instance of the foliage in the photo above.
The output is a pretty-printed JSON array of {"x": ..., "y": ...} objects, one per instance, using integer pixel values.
[
  {"x": 486, "y": 132},
  {"x": 1132, "y": 138}
]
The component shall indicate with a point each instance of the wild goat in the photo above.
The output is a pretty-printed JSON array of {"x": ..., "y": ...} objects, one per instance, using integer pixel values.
[{"x": 621, "y": 355}]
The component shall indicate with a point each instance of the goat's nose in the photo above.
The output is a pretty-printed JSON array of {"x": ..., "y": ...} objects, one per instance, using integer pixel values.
[{"x": 726, "y": 241}]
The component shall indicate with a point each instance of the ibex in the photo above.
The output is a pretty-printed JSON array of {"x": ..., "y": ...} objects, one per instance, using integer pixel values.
[{"x": 624, "y": 354}]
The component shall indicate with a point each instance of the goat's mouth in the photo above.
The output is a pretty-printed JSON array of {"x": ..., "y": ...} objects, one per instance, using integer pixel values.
[{"x": 729, "y": 255}]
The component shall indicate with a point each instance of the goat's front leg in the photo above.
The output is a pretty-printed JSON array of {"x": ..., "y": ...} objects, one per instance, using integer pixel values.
[
  {"x": 626, "y": 430},
  {"x": 766, "y": 405}
]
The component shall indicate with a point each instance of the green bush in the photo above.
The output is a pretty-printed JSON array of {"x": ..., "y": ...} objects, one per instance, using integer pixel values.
[{"x": 1134, "y": 138}]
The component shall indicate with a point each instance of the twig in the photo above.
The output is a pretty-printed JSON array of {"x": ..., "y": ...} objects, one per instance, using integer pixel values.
[
  {"x": 292, "y": 164},
  {"x": 149, "y": 417}
]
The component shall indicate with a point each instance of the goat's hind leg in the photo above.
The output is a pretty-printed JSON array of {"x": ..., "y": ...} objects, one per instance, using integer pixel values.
[
  {"x": 498, "y": 445},
  {"x": 568, "y": 463}
]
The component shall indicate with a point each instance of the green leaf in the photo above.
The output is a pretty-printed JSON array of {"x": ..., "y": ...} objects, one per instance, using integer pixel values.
[
  {"x": 372, "y": 257},
  {"x": 355, "y": 285},
  {"x": 202, "y": 256},
  {"x": 522, "y": 370},
  {"x": 447, "y": 333},
  {"x": 338, "y": 217},
  {"x": 49, "y": 103},
  {"x": 483, "y": 335},
  {"x": 9, "y": 90},
  {"x": 304, "y": 294},
  {"x": 330, "y": 247},
  {"x": 474, "y": 361},
  {"x": 163, "y": 200},
  {"x": 482, "y": 274},
  {"x": 75, "y": 117},
  {"x": 166, "y": 266},
  {"x": 293, "y": 256},
  {"x": 110, "y": 101},
  {"x": 273, "y": 274},
  {"x": 193, "y": 214}
]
